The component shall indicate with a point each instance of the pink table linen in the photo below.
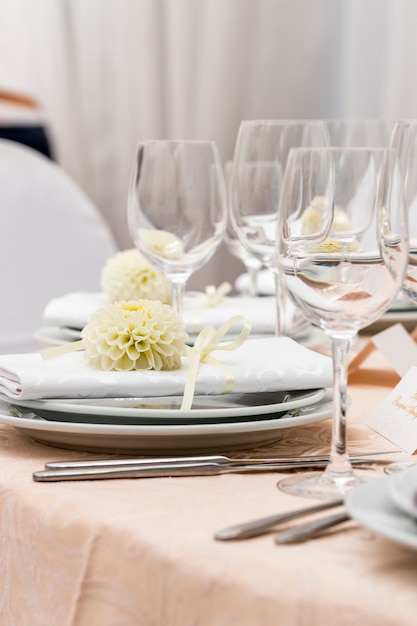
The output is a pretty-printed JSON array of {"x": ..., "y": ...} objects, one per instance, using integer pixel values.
[{"x": 141, "y": 552}]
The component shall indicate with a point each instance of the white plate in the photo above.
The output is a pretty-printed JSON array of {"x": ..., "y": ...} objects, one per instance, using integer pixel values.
[
  {"x": 403, "y": 490},
  {"x": 111, "y": 438},
  {"x": 222, "y": 408},
  {"x": 59, "y": 335},
  {"x": 402, "y": 303},
  {"x": 371, "y": 506},
  {"x": 72, "y": 334},
  {"x": 53, "y": 335},
  {"x": 408, "y": 318}
]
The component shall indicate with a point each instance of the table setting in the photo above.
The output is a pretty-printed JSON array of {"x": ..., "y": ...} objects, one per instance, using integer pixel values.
[
  {"x": 157, "y": 428},
  {"x": 150, "y": 367}
]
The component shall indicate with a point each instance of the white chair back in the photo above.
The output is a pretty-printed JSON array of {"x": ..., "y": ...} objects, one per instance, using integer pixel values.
[{"x": 53, "y": 240}]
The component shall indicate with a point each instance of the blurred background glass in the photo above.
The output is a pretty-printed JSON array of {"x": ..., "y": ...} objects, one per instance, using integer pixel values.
[{"x": 355, "y": 133}]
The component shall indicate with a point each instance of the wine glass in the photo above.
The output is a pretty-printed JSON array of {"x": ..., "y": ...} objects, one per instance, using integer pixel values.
[
  {"x": 177, "y": 207},
  {"x": 342, "y": 248},
  {"x": 404, "y": 141},
  {"x": 234, "y": 245},
  {"x": 260, "y": 156},
  {"x": 352, "y": 132}
]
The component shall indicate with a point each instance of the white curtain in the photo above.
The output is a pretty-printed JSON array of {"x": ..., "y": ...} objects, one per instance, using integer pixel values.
[{"x": 109, "y": 72}]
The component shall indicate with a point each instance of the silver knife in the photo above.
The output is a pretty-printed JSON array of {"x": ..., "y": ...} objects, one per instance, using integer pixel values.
[
  {"x": 257, "y": 527},
  {"x": 221, "y": 459},
  {"x": 174, "y": 469}
]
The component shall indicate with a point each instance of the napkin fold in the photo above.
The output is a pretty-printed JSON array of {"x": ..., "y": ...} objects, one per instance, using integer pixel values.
[
  {"x": 265, "y": 282},
  {"x": 258, "y": 365},
  {"x": 73, "y": 310}
]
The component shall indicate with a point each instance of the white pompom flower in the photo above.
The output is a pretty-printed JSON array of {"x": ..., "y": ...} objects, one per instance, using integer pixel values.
[
  {"x": 135, "y": 335},
  {"x": 127, "y": 275}
]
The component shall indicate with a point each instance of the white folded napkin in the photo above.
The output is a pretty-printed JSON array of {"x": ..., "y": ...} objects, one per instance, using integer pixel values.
[
  {"x": 73, "y": 310},
  {"x": 265, "y": 283},
  {"x": 258, "y": 365}
]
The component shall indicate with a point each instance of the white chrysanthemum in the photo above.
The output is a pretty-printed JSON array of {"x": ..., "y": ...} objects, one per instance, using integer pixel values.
[
  {"x": 128, "y": 276},
  {"x": 162, "y": 242},
  {"x": 341, "y": 222},
  {"x": 313, "y": 222},
  {"x": 135, "y": 335},
  {"x": 333, "y": 245}
]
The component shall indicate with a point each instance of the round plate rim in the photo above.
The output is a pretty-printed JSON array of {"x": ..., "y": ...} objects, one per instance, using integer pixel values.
[
  {"x": 78, "y": 407},
  {"x": 373, "y": 497}
]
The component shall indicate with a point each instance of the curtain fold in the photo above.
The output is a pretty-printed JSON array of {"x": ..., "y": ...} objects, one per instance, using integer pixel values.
[{"x": 109, "y": 72}]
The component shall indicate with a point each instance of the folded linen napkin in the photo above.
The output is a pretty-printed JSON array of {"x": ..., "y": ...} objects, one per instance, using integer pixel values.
[
  {"x": 258, "y": 365},
  {"x": 265, "y": 282},
  {"x": 73, "y": 310}
]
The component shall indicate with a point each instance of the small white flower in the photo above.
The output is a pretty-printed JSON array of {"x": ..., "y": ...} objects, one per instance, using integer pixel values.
[
  {"x": 128, "y": 276},
  {"x": 162, "y": 242},
  {"x": 313, "y": 223},
  {"x": 135, "y": 335}
]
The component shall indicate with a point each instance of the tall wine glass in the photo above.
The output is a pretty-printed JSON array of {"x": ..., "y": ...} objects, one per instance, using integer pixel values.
[
  {"x": 358, "y": 132},
  {"x": 404, "y": 140},
  {"x": 236, "y": 248},
  {"x": 177, "y": 207},
  {"x": 342, "y": 246},
  {"x": 260, "y": 157}
]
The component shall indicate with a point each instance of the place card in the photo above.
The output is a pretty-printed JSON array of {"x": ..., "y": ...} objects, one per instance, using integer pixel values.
[
  {"x": 395, "y": 344},
  {"x": 396, "y": 418},
  {"x": 398, "y": 347}
]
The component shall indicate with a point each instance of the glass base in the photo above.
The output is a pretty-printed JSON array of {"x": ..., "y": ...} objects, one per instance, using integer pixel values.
[{"x": 323, "y": 486}]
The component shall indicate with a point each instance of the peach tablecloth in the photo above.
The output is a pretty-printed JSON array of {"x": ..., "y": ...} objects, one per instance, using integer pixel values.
[{"x": 141, "y": 552}]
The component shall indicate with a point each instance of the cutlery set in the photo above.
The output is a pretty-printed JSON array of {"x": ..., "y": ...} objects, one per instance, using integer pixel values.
[
  {"x": 210, "y": 465},
  {"x": 263, "y": 525},
  {"x": 179, "y": 466}
]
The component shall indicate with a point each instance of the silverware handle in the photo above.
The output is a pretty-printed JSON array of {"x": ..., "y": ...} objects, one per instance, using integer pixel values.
[
  {"x": 172, "y": 469},
  {"x": 143, "y": 471},
  {"x": 310, "y": 529},
  {"x": 80, "y": 464},
  {"x": 262, "y": 525},
  {"x": 158, "y": 471},
  {"x": 87, "y": 463}
]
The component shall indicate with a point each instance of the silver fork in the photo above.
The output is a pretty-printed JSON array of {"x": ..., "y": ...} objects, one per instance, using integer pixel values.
[
  {"x": 260, "y": 526},
  {"x": 308, "y": 530}
]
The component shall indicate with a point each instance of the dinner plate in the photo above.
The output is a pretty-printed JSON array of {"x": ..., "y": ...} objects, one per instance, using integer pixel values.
[
  {"x": 54, "y": 335},
  {"x": 403, "y": 490},
  {"x": 371, "y": 505},
  {"x": 60, "y": 335},
  {"x": 206, "y": 409},
  {"x": 147, "y": 439},
  {"x": 406, "y": 317}
]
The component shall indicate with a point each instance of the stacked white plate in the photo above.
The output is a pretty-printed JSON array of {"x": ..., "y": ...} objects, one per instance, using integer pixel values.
[
  {"x": 135, "y": 425},
  {"x": 388, "y": 506}
]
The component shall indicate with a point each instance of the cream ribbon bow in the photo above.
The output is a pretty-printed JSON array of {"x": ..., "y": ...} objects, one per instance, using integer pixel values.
[
  {"x": 213, "y": 296},
  {"x": 206, "y": 342}
]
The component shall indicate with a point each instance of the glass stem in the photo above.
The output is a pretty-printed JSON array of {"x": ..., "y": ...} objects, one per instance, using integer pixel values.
[
  {"x": 340, "y": 465},
  {"x": 253, "y": 287},
  {"x": 177, "y": 295},
  {"x": 280, "y": 298}
]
